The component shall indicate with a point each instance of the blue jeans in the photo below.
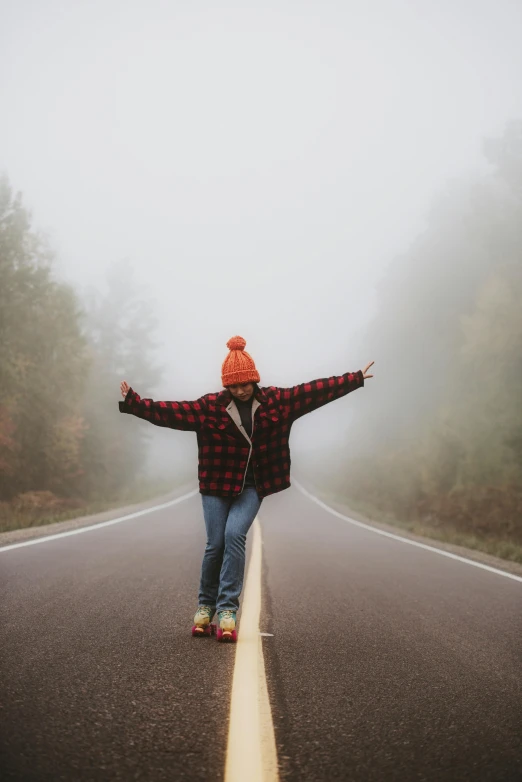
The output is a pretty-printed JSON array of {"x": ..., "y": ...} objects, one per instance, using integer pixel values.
[{"x": 227, "y": 521}]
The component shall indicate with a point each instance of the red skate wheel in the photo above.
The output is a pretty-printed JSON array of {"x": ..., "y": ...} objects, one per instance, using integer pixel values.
[
  {"x": 201, "y": 632},
  {"x": 226, "y": 637}
]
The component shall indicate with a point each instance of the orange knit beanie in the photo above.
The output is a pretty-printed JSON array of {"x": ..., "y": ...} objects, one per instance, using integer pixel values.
[{"x": 238, "y": 367}]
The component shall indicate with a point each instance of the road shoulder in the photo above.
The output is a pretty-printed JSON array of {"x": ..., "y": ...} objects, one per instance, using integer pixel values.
[
  {"x": 476, "y": 556},
  {"x": 30, "y": 533}
]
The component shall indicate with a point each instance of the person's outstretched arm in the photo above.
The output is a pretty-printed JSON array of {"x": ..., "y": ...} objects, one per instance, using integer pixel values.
[
  {"x": 174, "y": 415},
  {"x": 302, "y": 399}
]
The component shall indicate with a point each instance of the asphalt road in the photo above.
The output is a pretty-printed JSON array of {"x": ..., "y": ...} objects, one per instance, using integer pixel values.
[
  {"x": 100, "y": 676},
  {"x": 387, "y": 662}
]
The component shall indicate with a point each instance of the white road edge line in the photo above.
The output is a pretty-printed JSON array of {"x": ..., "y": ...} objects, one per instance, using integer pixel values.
[
  {"x": 100, "y": 524},
  {"x": 251, "y": 748},
  {"x": 404, "y": 540}
]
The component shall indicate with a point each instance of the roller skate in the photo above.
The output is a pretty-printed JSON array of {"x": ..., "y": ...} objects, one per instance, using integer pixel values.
[
  {"x": 227, "y": 626},
  {"x": 203, "y": 625}
]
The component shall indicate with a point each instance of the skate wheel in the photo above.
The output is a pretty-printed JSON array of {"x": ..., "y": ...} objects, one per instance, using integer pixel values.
[
  {"x": 227, "y": 636},
  {"x": 201, "y": 632}
]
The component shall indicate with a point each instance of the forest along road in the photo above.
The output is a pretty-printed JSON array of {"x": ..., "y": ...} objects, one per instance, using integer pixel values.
[{"x": 383, "y": 661}]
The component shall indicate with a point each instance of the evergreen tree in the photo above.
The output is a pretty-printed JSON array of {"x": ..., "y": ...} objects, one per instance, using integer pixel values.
[{"x": 42, "y": 362}]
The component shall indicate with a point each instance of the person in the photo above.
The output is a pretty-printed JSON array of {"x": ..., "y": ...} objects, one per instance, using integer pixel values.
[{"x": 243, "y": 456}]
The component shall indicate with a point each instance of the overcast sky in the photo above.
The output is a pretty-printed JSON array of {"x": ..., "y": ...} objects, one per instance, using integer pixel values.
[{"x": 259, "y": 163}]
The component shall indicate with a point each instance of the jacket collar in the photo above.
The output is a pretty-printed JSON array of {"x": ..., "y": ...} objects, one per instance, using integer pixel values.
[{"x": 225, "y": 397}]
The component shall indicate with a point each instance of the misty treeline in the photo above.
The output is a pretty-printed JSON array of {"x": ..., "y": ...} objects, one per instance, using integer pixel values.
[
  {"x": 440, "y": 439},
  {"x": 61, "y": 359}
]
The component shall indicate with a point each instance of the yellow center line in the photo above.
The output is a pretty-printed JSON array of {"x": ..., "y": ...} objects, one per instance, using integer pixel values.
[{"x": 251, "y": 748}]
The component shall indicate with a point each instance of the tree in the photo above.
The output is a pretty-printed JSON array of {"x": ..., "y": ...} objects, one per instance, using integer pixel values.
[
  {"x": 446, "y": 421},
  {"x": 42, "y": 360},
  {"x": 120, "y": 326}
]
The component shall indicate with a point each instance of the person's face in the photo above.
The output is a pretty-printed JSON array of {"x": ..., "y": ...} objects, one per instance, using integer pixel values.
[{"x": 242, "y": 391}]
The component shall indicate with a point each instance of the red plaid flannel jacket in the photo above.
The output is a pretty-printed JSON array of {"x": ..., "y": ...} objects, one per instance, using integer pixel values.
[{"x": 223, "y": 450}]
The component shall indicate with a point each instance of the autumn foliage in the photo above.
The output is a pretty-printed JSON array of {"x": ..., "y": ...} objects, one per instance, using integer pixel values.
[
  {"x": 61, "y": 439},
  {"x": 439, "y": 433}
]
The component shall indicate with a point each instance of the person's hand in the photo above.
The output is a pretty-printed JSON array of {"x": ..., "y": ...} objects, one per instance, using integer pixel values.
[
  {"x": 124, "y": 388},
  {"x": 365, "y": 370}
]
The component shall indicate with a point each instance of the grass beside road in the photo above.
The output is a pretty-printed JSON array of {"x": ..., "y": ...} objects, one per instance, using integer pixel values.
[
  {"x": 502, "y": 548},
  {"x": 42, "y": 510}
]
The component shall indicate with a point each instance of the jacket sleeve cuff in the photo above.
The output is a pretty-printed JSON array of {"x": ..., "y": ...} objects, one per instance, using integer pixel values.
[{"x": 124, "y": 406}]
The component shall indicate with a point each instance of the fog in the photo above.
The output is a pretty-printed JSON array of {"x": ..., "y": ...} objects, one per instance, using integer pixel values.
[{"x": 258, "y": 165}]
